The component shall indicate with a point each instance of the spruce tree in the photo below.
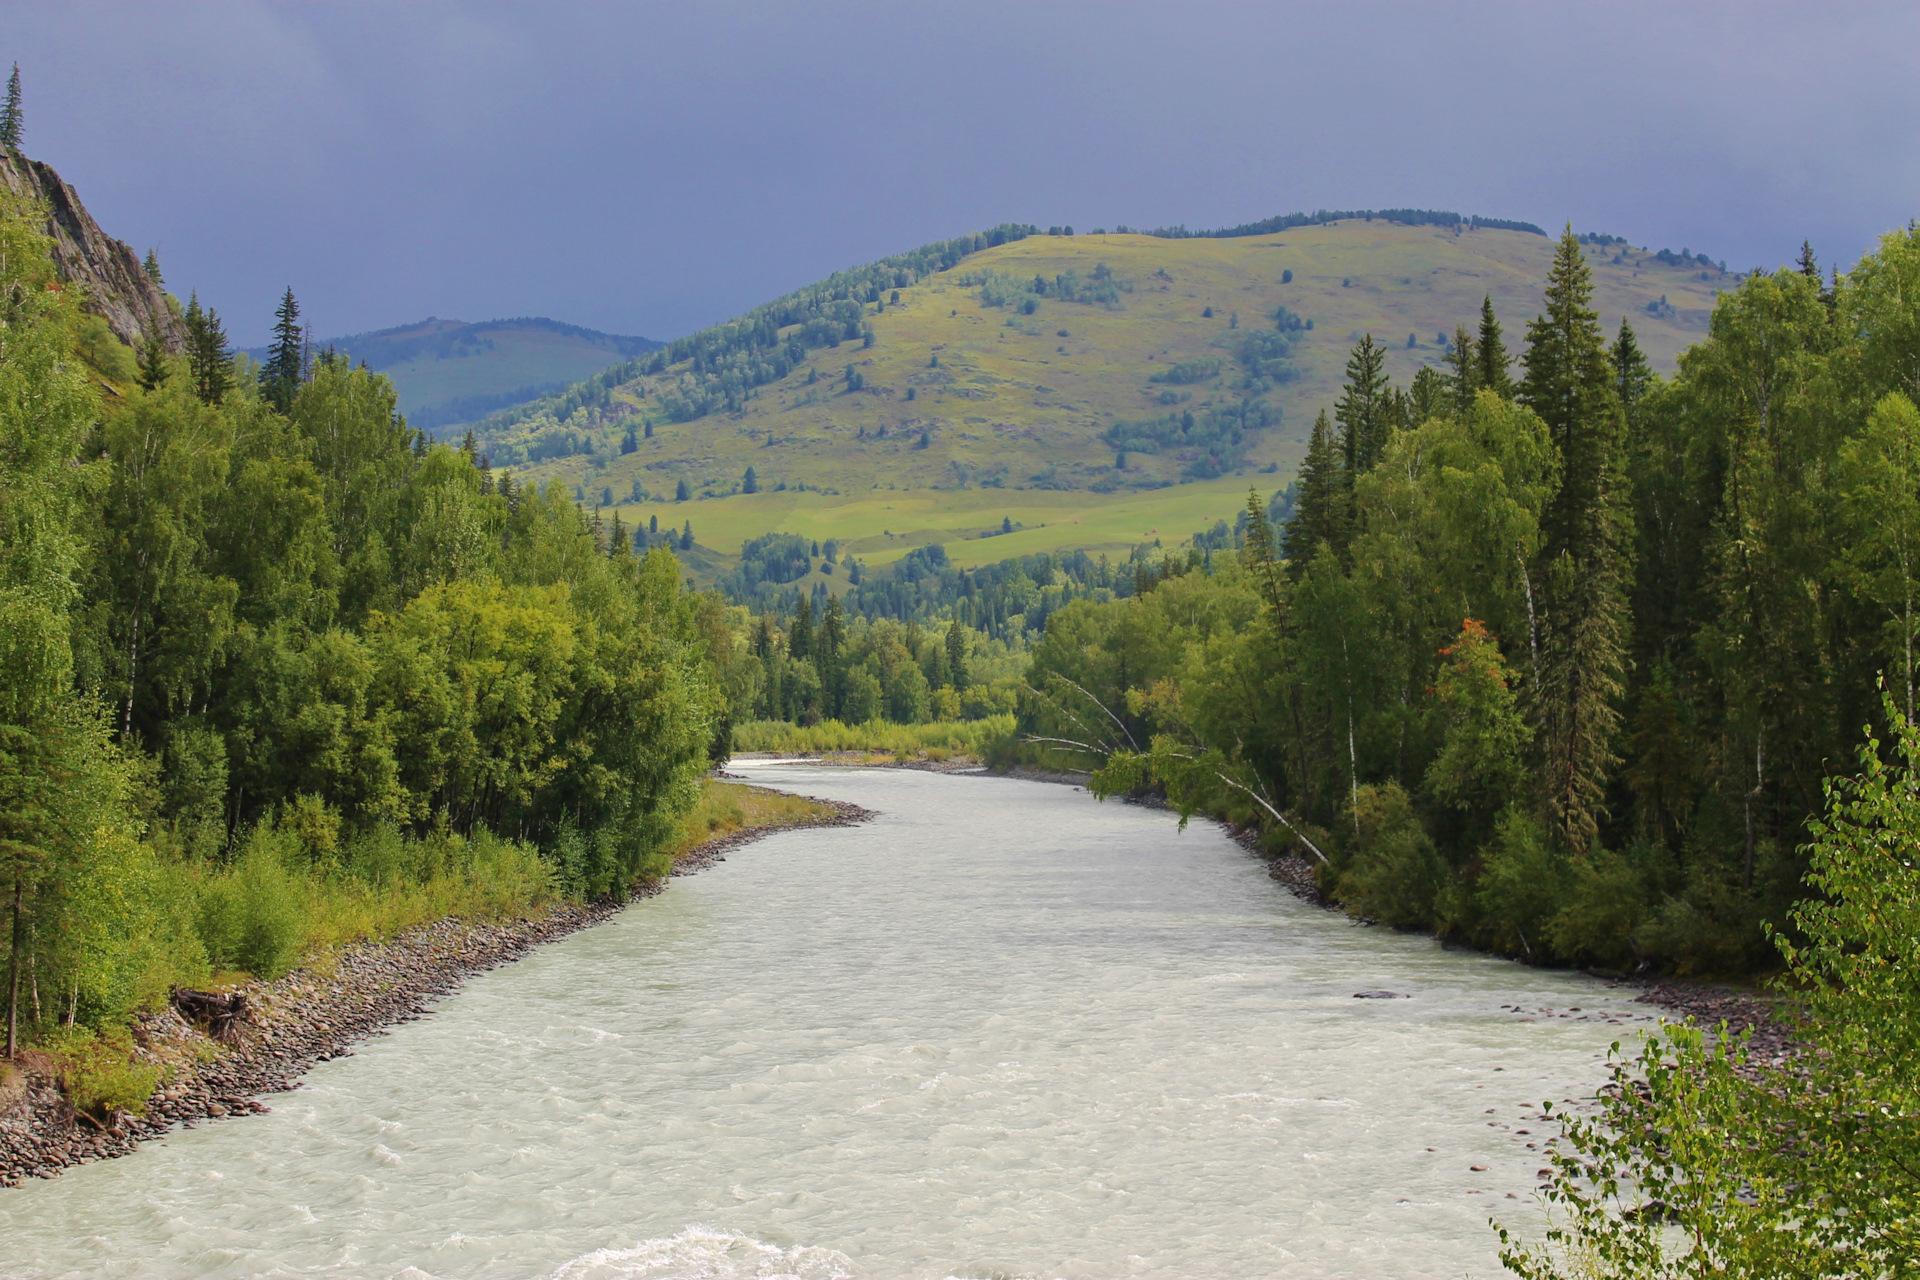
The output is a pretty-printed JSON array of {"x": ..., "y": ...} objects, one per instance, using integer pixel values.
[
  {"x": 12, "y": 121},
  {"x": 1809, "y": 267},
  {"x": 280, "y": 376},
  {"x": 1464, "y": 360},
  {"x": 686, "y": 536},
  {"x": 957, "y": 656},
  {"x": 1319, "y": 507},
  {"x": 750, "y": 483},
  {"x": 1362, "y": 408},
  {"x": 153, "y": 371},
  {"x": 152, "y": 268},
  {"x": 1631, "y": 372},
  {"x": 1259, "y": 555},
  {"x": 800, "y": 632},
  {"x": 1492, "y": 353},
  {"x": 619, "y": 544},
  {"x": 828, "y": 644},
  {"x": 1585, "y": 533},
  {"x": 1430, "y": 397},
  {"x": 209, "y": 363}
]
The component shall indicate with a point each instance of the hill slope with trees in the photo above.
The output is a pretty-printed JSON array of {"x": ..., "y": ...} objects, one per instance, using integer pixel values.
[{"x": 1104, "y": 362}]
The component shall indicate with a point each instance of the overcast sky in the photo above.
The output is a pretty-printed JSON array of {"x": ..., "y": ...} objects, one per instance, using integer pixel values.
[{"x": 653, "y": 168}]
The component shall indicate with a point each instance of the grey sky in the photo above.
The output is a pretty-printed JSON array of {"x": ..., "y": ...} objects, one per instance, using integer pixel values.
[{"x": 652, "y": 168}]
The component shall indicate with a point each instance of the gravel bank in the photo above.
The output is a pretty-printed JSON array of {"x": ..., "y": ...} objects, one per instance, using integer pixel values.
[{"x": 308, "y": 1016}]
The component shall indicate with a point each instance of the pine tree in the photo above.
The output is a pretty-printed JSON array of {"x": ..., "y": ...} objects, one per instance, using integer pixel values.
[
  {"x": 153, "y": 370},
  {"x": 12, "y": 121},
  {"x": 1319, "y": 508},
  {"x": 209, "y": 363},
  {"x": 1492, "y": 353},
  {"x": 1585, "y": 530},
  {"x": 1464, "y": 360},
  {"x": 152, "y": 267},
  {"x": 1361, "y": 409},
  {"x": 280, "y": 376}
]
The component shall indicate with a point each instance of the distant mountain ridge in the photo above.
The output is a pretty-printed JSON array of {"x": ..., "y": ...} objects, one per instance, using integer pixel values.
[{"x": 452, "y": 372}]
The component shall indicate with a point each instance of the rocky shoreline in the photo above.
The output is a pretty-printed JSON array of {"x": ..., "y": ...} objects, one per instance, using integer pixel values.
[{"x": 308, "y": 1016}]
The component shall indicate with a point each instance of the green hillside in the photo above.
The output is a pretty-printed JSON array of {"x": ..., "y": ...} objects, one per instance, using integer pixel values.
[
  {"x": 1031, "y": 364},
  {"x": 449, "y": 372}
]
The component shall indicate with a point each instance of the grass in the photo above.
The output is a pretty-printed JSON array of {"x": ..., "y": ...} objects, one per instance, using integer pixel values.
[
  {"x": 727, "y": 807},
  {"x": 880, "y": 528},
  {"x": 938, "y": 741},
  {"x": 1010, "y": 404}
]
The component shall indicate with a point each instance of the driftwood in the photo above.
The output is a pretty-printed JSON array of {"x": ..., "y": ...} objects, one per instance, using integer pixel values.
[{"x": 223, "y": 1014}]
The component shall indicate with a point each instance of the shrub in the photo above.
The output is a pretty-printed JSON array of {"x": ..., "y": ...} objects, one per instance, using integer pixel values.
[
  {"x": 99, "y": 1074},
  {"x": 251, "y": 915}
]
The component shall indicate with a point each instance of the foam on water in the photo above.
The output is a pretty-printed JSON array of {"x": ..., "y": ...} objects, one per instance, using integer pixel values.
[{"x": 1003, "y": 1030}]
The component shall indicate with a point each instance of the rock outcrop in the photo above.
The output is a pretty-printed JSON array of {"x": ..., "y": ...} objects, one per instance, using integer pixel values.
[{"x": 107, "y": 271}]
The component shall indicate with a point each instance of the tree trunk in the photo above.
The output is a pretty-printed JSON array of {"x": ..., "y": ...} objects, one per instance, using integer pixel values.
[{"x": 13, "y": 967}]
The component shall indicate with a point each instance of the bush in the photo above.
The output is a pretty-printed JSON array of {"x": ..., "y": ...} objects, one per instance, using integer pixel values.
[
  {"x": 99, "y": 1074},
  {"x": 964, "y": 737},
  {"x": 1395, "y": 873},
  {"x": 251, "y": 915}
]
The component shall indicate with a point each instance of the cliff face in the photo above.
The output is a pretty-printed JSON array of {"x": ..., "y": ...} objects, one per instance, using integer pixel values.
[{"x": 108, "y": 271}]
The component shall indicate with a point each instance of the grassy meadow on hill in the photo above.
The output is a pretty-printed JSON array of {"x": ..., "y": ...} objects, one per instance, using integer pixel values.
[{"x": 984, "y": 399}]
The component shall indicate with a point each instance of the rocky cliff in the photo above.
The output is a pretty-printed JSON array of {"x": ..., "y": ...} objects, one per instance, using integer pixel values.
[{"x": 108, "y": 271}]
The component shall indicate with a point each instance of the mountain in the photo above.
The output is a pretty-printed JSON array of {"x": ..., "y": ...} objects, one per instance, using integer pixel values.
[
  {"x": 108, "y": 271},
  {"x": 449, "y": 372},
  {"x": 1019, "y": 360}
]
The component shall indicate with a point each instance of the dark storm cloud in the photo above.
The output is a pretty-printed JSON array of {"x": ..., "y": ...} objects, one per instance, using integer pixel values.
[{"x": 648, "y": 169}]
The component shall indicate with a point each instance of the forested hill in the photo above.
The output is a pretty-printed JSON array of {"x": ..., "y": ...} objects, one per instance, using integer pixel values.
[
  {"x": 1022, "y": 358},
  {"x": 450, "y": 372}
]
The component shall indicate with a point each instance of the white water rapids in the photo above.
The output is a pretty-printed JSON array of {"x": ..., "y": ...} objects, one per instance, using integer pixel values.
[{"x": 1004, "y": 1030}]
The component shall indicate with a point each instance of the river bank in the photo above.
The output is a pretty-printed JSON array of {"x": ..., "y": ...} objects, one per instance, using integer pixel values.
[{"x": 310, "y": 1015}]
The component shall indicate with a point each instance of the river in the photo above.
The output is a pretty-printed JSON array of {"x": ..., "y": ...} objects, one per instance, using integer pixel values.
[{"x": 1004, "y": 1030}]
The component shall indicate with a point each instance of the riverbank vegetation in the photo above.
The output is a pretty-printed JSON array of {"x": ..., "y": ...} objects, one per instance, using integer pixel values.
[
  {"x": 279, "y": 671},
  {"x": 1558, "y": 662},
  {"x": 1707, "y": 1159},
  {"x": 936, "y": 740}
]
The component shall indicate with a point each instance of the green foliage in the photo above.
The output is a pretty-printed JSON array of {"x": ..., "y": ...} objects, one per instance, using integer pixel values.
[
  {"x": 101, "y": 1076},
  {"x": 250, "y": 915},
  {"x": 1559, "y": 673},
  {"x": 965, "y": 737},
  {"x": 1706, "y": 1159},
  {"x": 12, "y": 117},
  {"x": 281, "y": 376},
  {"x": 278, "y": 672}
]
